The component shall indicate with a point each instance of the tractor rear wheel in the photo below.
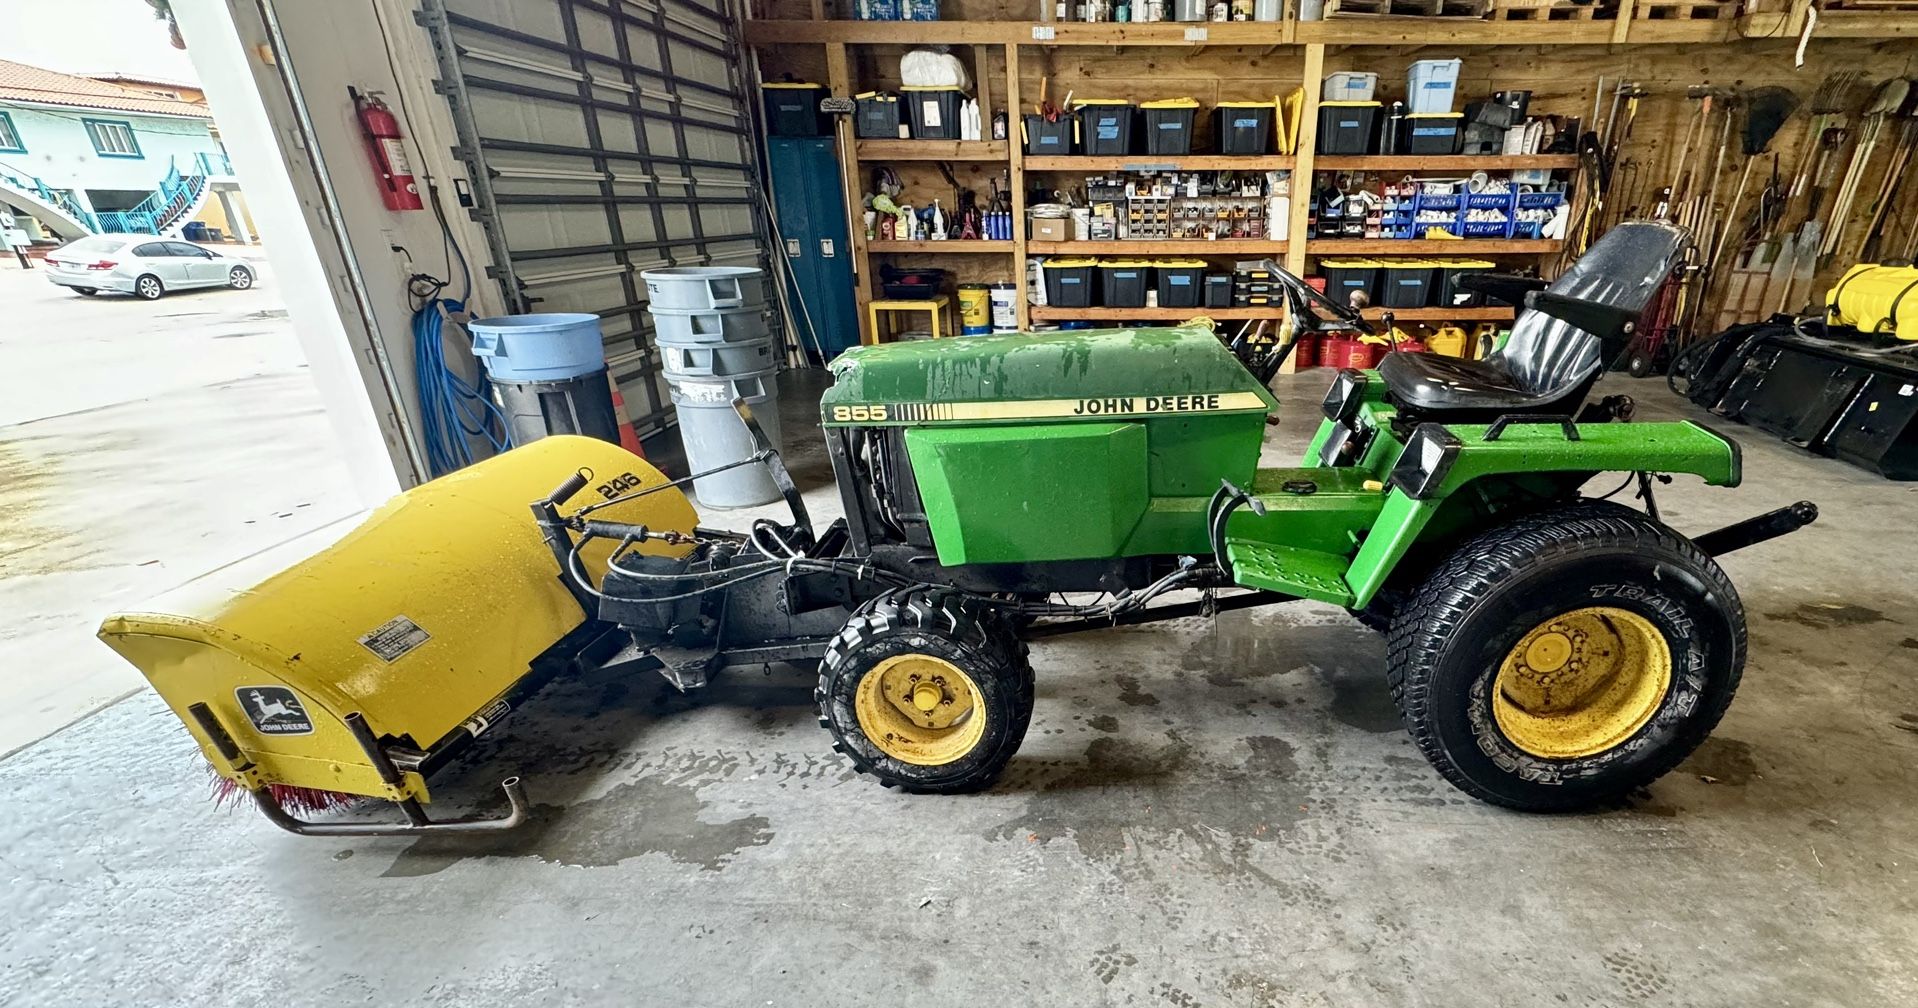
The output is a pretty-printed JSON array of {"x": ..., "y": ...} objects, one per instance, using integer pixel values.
[
  {"x": 926, "y": 690},
  {"x": 1566, "y": 658}
]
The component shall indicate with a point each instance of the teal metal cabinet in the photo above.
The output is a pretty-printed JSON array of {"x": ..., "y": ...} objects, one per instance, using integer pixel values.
[{"x": 809, "y": 203}]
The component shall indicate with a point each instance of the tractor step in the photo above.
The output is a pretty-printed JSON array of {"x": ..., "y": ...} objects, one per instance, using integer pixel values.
[{"x": 1306, "y": 573}]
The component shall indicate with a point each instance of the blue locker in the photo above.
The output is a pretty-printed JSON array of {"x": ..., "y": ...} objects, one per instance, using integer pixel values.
[{"x": 809, "y": 203}]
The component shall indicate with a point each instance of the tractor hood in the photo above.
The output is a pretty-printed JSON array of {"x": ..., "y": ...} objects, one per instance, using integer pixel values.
[{"x": 1026, "y": 376}]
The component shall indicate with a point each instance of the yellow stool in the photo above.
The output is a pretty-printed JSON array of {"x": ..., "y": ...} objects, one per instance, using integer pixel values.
[{"x": 936, "y": 306}]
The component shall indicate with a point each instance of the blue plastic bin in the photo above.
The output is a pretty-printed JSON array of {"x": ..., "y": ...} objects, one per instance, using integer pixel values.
[{"x": 541, "y": 347}]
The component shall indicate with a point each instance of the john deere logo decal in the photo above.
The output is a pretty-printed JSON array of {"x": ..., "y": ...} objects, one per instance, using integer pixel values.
[{"x": 274, "y": 710}]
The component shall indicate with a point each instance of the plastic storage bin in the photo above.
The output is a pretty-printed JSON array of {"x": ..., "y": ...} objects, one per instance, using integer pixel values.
[
  {"x": 1218, "y": 290},
  {"x": 1344, "y": 276},
  {"x": 1451, "y": 295},
  {"x": 1346, "y": 127},
  {"x": 1243, "y": 127},
  {"x": 1105, "y": 126},
  {"x": 1432, "y": 85},
  {"x": 1349, "y": 85},
  {"x": 792, "y": 109},
  {"x": 1168, "y": 125},
  {"x": 1432, "y": 132},
  {"x": 1407, "y": 283},
  {"x": 933, "y": 111},
  {"x": 1072, "y": 283},
  {"x": 877, "y": 117},
  {"x": 1181, "y": 282},
  {"x": 538, "y": 348},
  {"x": 1049, "y": 138},
  {"x": 1125, "y": 281}
]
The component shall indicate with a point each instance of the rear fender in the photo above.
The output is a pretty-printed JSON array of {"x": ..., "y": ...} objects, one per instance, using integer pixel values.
[{"x": 1439, "y": 463}]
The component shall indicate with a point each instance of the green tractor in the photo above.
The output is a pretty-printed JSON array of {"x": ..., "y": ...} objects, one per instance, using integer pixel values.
[{"x": 1546, "y": 650}]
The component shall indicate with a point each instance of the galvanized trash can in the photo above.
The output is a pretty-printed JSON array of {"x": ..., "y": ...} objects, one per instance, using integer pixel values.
[
  {"x": 582, "y": 405},
  {"x": 710, "y": 324}
]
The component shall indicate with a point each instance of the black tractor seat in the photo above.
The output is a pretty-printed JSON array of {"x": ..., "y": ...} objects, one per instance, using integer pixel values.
[{"x": 1559, "y": 342}]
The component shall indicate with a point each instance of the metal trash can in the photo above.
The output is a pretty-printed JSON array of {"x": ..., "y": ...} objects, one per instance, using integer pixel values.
[
  {"x": 582, "y": 405},
  {"x": 714, "y": 435}
]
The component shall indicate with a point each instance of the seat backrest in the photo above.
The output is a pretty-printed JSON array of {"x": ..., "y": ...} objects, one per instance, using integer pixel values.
[{"x": 1625, "y": 269}]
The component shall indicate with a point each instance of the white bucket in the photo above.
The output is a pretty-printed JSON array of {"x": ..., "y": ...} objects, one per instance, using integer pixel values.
[{"x": 1005, "y": 308}]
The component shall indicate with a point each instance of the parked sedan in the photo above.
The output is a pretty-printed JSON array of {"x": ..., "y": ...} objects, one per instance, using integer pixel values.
[{"x": 143, "y": 265}]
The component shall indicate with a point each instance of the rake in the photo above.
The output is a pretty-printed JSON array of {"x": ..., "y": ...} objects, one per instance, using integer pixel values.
[{"x": 1885, "y": 102}]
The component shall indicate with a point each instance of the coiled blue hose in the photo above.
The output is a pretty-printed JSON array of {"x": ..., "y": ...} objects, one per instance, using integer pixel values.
[{"x": 453, "y": 410}]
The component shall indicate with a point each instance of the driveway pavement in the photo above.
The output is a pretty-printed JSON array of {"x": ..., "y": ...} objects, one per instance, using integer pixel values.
[{"x": 141, "y": 444}]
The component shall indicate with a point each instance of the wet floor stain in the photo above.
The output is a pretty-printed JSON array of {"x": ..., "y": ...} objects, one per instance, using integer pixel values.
[
  {"x": 642, "y": 817},
  {"x": 1724, "y": 760},
  {"x": 1104, "y": 723},
  {"x": 1125, "y": 794},
  {"x": 1828, "y": 615},
  {"x": 28, "y": 543},
  {"x": 1131, "y": 695},
  {"x": 1909, "y": 642}
]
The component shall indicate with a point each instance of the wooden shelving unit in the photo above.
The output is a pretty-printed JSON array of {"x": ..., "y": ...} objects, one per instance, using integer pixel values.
[
  {"x": 930, "y": 150},
  {"x": 1150, "y": 162},
  {"x": 1221, "y": 246},
  {"x": 948, "y": 247}
]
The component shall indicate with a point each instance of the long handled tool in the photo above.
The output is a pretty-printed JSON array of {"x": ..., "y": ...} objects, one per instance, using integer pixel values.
[
  {"x": 1888, "y": 190},
  {"x": 1766, "y": 110},
  {"x": 1885, "y": 102}
]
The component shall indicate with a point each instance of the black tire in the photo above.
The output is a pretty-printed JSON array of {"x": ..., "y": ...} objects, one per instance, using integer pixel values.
[
  {"x": 924, "y": 624},
  {"x": 239, "y": 278},
  {"x": 149, "y": 288},
  {"x": 1453, "y": 636},
  {"x": 86, "y": 291},
  {"x": 1641, "y": 365}
]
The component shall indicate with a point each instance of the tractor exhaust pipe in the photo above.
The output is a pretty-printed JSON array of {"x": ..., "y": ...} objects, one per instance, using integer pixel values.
[{"x": 1755, "y": 530}]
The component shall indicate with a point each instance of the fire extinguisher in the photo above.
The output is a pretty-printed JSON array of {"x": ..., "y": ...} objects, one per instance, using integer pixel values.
[{"x": 384, "y": 144}]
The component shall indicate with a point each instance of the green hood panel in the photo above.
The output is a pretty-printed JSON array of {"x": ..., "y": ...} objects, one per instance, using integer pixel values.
[{"x": 1066, "y": 375}]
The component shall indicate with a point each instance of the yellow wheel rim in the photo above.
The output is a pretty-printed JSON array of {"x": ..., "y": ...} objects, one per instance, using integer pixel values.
[
  {"x": 920, "y": 710},
  {"x": 1582, "y": 683}
]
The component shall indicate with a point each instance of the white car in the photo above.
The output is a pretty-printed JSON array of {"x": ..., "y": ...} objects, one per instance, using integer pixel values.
[{"x": 145, "y": 266}]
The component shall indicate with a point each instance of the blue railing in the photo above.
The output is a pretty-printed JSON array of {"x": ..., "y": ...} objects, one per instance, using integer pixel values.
[
  {"x": 156, "y": 213},
  {"x": 52, "y": 197}
]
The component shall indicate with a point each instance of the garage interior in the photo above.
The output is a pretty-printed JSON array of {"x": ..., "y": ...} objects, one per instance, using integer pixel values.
[{"x": 1224, "y": 807}]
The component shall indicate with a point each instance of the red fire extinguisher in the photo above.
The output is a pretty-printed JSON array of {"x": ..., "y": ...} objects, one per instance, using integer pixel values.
[{"x": 384, "y": 144}]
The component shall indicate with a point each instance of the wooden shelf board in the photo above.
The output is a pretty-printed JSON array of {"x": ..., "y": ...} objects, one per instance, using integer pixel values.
[
  {"x": 951, "y": 246},
  {"x": 1159, "y": 162},
  {"x": 1463, "y": 246},
  {"x": 1465, "y": 163},
  {"x": 931, "y": 150},
  {"x": 1402, "y": 31},
  {"x": 1222, "y": 246},
  {"x": 1059, "y": 33},
  {"x": 1177, "y": 314}
]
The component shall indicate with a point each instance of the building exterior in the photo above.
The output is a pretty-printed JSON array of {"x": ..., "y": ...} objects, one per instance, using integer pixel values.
[{"x": 81, "y": 155}]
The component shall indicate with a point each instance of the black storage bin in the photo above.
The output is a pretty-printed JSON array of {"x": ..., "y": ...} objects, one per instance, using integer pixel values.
[
  {"x": 1451, "y": 293},
  {"x": 1343, "y": 276},
  {"x": 1168, "y": 126},
  {"x": 1071, "y": 283},
  {"x": 1124, "y": 282},
  {"x": 933, "y": 111},
  {"x": 1050, "y": 138},
  {"x": 1218, "y": 290},
  {"x": 1106, "y": 127},
  {"x": 1432, "y": 133},
  {"x": 1243, "y": 127},
  {"x": 1181, "y": 282},
  {"x": 792, "y": 109},
  {"x": 1346, "y": 127},
  {"x": 1406, "y": 284},
  {"x": 878, "y": 117}
]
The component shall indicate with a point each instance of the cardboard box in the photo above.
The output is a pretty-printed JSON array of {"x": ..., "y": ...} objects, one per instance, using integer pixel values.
[{"x": 1048, "y": 229}]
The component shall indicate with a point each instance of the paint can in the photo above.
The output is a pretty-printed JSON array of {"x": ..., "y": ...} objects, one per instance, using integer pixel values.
[
  {"x": 1005, "y": 311},
  {"x": 975, "y": 309}
]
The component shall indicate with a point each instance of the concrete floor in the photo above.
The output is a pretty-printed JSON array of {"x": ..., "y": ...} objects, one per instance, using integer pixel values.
[
  {"x": 142, "y": 443},
  {"x": 1203, "y": 814}
]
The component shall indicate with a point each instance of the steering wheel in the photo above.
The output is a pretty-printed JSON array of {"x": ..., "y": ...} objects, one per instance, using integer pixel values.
[{"x": 1303, "y": 296}]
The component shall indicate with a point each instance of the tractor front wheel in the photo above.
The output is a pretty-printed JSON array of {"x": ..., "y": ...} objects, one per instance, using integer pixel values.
[
  {"x": 1567, "y": 658},
  {"x": 926, "y": 690}
]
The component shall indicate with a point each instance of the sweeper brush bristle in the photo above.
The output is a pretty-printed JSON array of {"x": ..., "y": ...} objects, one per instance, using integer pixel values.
[{"x": 227, "y": 792}]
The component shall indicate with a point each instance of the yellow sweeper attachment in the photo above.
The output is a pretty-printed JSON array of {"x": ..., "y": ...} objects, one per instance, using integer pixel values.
[{"x": 362, "y": 667}]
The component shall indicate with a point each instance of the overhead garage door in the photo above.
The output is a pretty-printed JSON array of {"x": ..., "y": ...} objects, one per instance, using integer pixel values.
[{"x": 605, "y": 138}]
